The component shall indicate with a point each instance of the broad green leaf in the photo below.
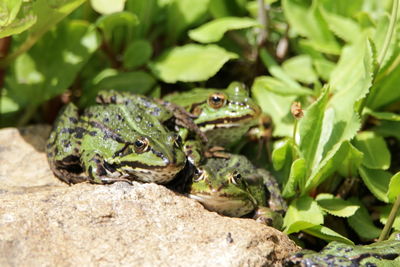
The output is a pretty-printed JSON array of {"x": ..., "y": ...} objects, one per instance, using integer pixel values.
[
  {"x": 385, "y": 90},
  {"x": 7, "y": 105},
  {"x": 277, "y": 86},
  {"x": 394, "y": 187},
  {"x": 277, "y": 106},
  {"x": 296, "y": 178},
  {"x": 107, "y": 7},
  {"x": 190, "y": 63},
  {"x": 15, "y": 17},
  {"x": 377, "y": 182},
  {"x": 351, "y": 162},
  {"x": 310, "y": 129},
  {"x": 281, "y": 153},
  {"x": 184, "y": 13},
  {"x": 336, "y": 206},
  {"x": 350, "y": 81},
  {"x": 137, "y": 53},
  {"x": 345, "y": 28},
  {"x": 226, "y": 8},
  {"x": 361, "y": 221},
  {"x": 343, "y": 7},
  {"x": 300, "y": 68},
  {"x": 148, "y": 13},
  {"x": 324, "y": 67},
  {"x": 389, "y": 116},
  {"x": 38, "y": 76},
  {"x": 388, "y": 128},
  {"x": 376, "y": 153},
  {"x": 213, "y": 31},
  {"x": 327, "y": 234},
  {"x": 138, "y": 82},
  {"x": 303, "y": 20},
  {"x": 302, "y": 213}
]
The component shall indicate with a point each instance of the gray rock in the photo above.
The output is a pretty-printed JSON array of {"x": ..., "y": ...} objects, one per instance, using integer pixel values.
[{"x": 44, "y": 222}]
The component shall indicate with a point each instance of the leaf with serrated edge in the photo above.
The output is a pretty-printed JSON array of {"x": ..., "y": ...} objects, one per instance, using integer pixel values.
[
  {"x": 336, "y": 206},
  {"x": 302, "y": 213},
  {"x": 327, "y": 234}
]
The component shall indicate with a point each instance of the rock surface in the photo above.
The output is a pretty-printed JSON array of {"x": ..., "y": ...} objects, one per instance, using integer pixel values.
[{"x": 44, "y": 222}]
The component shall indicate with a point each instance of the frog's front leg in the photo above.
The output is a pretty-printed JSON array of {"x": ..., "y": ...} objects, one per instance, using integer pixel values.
[
  {"x": 275, "y": 199},
  {"x": 98, "y": 171},
  {"x": 269, "y": 217}
]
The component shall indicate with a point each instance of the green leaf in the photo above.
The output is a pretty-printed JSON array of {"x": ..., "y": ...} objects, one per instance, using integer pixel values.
[
  {"x": 225, "y": 8},
  {"x": 388, "y": 128},
  {"x": 385, "y": 211},
  {"x": 389, "y": 116},
  {"x": 300, "y": 68},
  {"x": 15, "y": 17},
  {"x": 137, "y": 53},
  {"x": 281, "y": 153},
  {"x": 327, "y": 234},
  {"x": 324, "y": 67},
  {"x": 361, "y": 221},
  {"x": 213, "y": 31},
  {"x": 376, "y": 153},
  {"x": 311, "y": 128},
  {"x": 277, "y": 86},
  {"x": 394, "y": 187},
  {"x": 7, "y": 105},
  {"x": 190, "y": 63},
  {"x": 296, "y": 178},
  {"x": 108, "y": 7},
  {"x": 377, "y": 182},
  {"x": 38, "y": 76},
  {"x": 302, "y": 213},
  {"x": 148, "y": 13},
  {"x": 351, "y": 162},
  {"x": 277, "y": 106},
  {"x": 336, "y": 206},
  {"x": 184, "y": 13},
  {"x": 308, "y": 22},
  {"x": 350, "y": 81}
]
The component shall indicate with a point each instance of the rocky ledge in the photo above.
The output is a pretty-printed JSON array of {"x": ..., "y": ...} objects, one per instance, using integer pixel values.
[{"x": 44, "y": 222}]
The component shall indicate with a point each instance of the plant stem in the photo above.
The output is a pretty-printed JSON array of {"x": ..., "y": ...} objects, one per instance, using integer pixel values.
[
  {"x": 389, "y": 223},
  {"x": 263, "y": 20},
  {"x": 296, "y": 122},
  {"x": 28, "y": 113}
]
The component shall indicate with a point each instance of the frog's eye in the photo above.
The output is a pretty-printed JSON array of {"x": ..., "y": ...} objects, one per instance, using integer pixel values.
[
  {"x": 199, "y": 175},
  {"x": 236, "y": 178},
  {"x": 141, "y": 144},
  {"x": 216, "y": 100}
]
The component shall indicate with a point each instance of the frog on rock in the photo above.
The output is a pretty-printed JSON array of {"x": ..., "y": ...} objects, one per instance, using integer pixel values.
[
  {"x": 235, "y": 187},
  {"x": 108, "y": 143}
]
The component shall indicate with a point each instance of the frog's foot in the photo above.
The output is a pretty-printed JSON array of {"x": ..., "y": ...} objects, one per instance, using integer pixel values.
[
  {"x": 269, "y": 217},
  {"x": 275, "y": 199},
  {"x": 193, "y": 151},
  {"x": 183, "y": 118},
  {"x": 100, "y": 172},
  {"x": 216, "y": 152}
]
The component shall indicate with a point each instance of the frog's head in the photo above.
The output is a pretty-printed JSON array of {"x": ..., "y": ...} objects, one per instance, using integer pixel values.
[
  {"x": 223, "y": 190},
  {"x": 149, "y": 158}
]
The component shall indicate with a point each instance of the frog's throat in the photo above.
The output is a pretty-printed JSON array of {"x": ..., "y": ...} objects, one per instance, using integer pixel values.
[{"x": 234, "y": 207}]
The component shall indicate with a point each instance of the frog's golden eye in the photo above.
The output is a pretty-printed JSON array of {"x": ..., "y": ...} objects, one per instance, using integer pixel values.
[
  {"x": 216, "y": 100},
  {"x": 141, "y": 145},
  {"x": 236, "y": 178}
]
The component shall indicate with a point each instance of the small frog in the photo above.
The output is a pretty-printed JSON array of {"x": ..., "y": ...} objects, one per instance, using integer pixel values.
[
  {"x": 224, "y": 115},
  {"x": 235, "y": 187},
  {"x": 108, "y": 143},
  {"x": 385, "y": 253}
]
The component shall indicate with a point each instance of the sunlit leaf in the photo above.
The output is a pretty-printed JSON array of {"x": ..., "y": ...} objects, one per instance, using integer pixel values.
[
  {"x": 300, "y": 68},
  {"x": 296, "y": 178},
  {"x": 361, "y": 221},
  {"x": 327, "y": 234},
  {"x": 394, "y": 187},
  {"x": 137, "y": 53},
  {"x": 336, "y": 206},
  {"x": 190, "y": 63},
  {"x": 214, "y": 30},
  {"x": 107, "y": 7}
]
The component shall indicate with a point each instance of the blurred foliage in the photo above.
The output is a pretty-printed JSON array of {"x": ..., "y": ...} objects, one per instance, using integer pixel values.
[{"x": 339, "y": 59}]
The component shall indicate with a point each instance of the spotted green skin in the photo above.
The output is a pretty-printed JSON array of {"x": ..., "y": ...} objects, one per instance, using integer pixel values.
[
  {"x": 98, "y": 146},
  {"x": 385, "y": 253},
  {"x": 235, "y": 187},
  {"x": 226, "y": 125}
]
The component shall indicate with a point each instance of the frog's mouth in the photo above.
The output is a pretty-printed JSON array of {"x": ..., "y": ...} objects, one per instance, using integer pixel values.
[
  {"x": 228, "y": 206},
  {"x": 228, "y": 122}
]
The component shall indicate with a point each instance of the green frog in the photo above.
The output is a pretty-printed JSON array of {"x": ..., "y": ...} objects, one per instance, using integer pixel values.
[
  {"x": 109, "y": 143},
  {"x": 385, "y": 253},
  {"x": 234, "y": 187},
  {"x": 223, "y": 115}
]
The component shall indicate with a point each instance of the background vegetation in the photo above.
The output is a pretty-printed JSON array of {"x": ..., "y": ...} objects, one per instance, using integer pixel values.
[{"x": 338, "y": 165}]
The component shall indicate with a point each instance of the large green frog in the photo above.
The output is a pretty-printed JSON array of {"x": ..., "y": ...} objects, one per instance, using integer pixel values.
[
  {"x": 234, "y": 187},
  {"x": 111, "y": 142},
  {"x": 223, "y": 115},
  {"x": 386, "y": 253}
]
